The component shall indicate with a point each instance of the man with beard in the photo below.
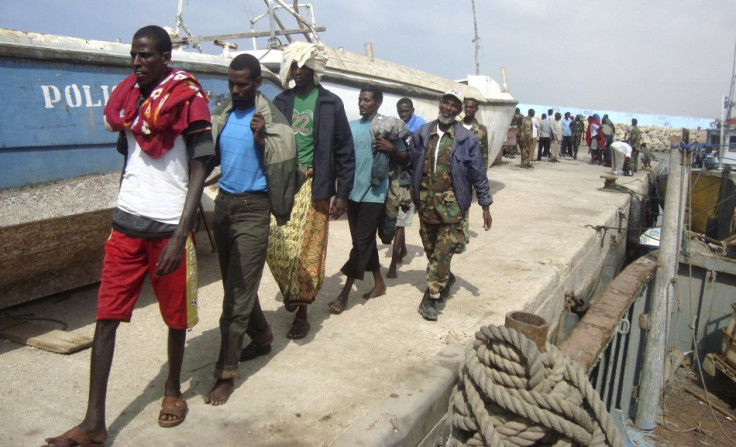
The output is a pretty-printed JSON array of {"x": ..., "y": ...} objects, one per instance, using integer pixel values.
[
  {"x": 258, "y": 179},
  {"x": 161, "y": 186},
  {"x": 367, "y": 198},
  {"x": 297, "y": 251},
  {"x": 445, "y": 163}
]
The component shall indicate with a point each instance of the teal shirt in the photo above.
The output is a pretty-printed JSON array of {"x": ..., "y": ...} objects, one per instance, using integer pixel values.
[{"x": 362, "y": 189}]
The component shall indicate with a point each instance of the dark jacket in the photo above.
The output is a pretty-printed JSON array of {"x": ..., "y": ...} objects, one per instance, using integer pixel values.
[
  {"x": 334, "y": 156},
  {"x": 466, "y": 166},
  {"x": 279, "y": 155}
]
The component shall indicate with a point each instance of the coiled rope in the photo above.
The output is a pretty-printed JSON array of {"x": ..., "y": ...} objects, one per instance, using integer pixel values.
[{"x": 510, "y": 394}]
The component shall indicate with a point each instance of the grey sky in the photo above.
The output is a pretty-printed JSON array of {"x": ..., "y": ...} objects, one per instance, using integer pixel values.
[{"x": 657, "y": 57}]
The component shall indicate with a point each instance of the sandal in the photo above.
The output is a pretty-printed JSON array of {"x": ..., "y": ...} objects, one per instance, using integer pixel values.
[{"x": 172, "y": 406}]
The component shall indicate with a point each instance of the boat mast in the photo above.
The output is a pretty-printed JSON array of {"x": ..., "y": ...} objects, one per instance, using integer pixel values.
[
  {"x": 309, "y": 30},
  {"x": 476, "y": 39},
  {"x": 728, "y": 106}
]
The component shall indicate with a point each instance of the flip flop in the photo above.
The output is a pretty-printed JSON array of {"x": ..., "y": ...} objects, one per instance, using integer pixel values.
[
  {"x": 254, "y": 350},
  {"x": 75, "y": 437},
  {"x": 173, "y": 406}
]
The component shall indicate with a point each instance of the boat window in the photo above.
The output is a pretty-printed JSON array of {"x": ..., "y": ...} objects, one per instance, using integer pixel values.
[{"x": 270, "y": 89}]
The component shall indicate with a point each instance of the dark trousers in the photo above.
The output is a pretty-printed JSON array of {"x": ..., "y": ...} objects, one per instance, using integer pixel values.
[
  {"x": 544, "y": 143},
  {"x": 241, "y": 226},
  {"x": 363, "y": 218},
  {"x": 566, "y": 145}
]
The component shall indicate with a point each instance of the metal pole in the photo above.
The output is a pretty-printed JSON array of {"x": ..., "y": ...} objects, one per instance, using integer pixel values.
[
  {"x": 652, "y": 376},
  {"x": 476, "y": 40}
]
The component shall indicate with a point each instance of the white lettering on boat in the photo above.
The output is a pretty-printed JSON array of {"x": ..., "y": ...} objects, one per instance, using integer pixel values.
[{"x": 88, "y": 96}]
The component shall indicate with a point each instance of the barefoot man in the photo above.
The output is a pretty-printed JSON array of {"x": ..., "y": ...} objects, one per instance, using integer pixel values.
[
  {"x": 258, "y": 178},
  {"x": 161, "y": 185},
  {"x": 297, "y": 251},
  {"x": 366, "y": 204}
]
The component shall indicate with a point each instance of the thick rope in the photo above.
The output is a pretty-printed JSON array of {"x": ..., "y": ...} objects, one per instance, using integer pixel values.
[{"x": 509, "y": 394}]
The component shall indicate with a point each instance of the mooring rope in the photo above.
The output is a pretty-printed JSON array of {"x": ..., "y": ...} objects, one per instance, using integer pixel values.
[{"x": 510, "y": 394}]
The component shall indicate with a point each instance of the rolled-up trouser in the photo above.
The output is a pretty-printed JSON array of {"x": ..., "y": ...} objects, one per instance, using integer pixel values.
[{"x": 241, "y": 227}]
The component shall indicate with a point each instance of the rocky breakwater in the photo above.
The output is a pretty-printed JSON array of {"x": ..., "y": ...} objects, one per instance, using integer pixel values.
[{"x": 658, "y": 138}]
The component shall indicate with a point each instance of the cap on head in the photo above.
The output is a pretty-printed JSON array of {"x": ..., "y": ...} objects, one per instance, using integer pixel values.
[{"x": 455, "y": 93}]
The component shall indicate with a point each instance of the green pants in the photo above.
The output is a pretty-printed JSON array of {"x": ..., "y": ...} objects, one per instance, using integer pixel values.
[
  {"x": 241, "y": 227},
  {"x": 439, "y": 241}
]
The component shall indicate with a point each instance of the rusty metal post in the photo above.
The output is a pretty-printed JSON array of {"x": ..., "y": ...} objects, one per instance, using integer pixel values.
[
  {"x": 652, "y": 376},
  {"x": 533, "y": 327}
]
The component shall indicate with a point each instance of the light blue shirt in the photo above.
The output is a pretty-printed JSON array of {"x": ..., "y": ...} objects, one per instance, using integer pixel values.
[
  {"x": 241, "y": 162},
  {"x": 414, "y": 123},
  {"x": 566, "y": 129}
]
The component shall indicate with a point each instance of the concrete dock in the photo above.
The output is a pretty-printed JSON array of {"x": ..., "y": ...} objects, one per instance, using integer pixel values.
[{"x": 375, "y": 375}]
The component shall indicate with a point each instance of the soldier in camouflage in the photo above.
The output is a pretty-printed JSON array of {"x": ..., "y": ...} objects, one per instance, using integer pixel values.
[
  {"x": 516, "y": 124},
  {"x": 632, "y": 163},
  {"x": 445, "y": 163},
  {"x": 526, "y": 139},
  {"x": 578, "y": 129},
  {"x": 470, "y": 107}
]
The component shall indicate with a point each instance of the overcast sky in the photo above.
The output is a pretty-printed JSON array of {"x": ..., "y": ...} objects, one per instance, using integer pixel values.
[{"x": 670, "y": 57}]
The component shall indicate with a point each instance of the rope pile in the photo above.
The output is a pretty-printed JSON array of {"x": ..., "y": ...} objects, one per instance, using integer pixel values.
[{"x": 511, "y": 394}]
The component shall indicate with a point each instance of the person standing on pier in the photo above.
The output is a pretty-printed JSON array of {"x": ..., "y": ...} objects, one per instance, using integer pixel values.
[
  {"x": 545, "y": 137},
  {"x": 526, "y": 139},
  {"x": 297, "y": 251},
  {"x": 567, "y": 135},
  {"x": 367, "y": 199},
  {"x": 595, "y": 140},
  {"x": 445, "y": 164},
  {"x": 556, "y": 137},
  {"x": 578, "y": 129},
  {"x": 258, "y": 179},
  {"x": 634, "y": 138},
  {"x": 160, "y": 189}
]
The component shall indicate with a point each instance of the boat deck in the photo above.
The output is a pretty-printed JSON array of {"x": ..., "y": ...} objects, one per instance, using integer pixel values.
[{"x": 360, "y": 378}]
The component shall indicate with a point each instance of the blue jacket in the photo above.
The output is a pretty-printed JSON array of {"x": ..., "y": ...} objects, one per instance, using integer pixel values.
[
  {"x": 466, "y": 166},
  {"x": 334, "y": 156}
]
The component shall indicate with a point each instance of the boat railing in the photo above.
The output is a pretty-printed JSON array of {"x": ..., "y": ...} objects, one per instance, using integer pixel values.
[{"x": 608, "y": 341}]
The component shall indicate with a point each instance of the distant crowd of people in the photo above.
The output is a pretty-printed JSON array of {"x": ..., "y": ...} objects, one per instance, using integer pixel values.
[
  {"x": 556, "y": 135},
  {"x": 287, "y": 167}
]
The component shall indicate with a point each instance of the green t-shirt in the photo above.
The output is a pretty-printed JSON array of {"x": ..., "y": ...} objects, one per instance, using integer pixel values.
[{"x": 302, "y": 123}]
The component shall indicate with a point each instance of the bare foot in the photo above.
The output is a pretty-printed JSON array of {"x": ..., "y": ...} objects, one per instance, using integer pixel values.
[
  {"x": 337, "y": 306},
  {"x": 391, "y": 272},
  {"x": 220, "y": 392},
  {"x": 401, "y": 256},
  {"x": 375, "y": 292},
  {"x": 299, "y": 328}
]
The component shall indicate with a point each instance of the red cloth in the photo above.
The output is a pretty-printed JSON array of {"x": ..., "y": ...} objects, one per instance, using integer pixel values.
[
  {"x": 600, "y": 137},
  {"x": 176, "y": 102}
]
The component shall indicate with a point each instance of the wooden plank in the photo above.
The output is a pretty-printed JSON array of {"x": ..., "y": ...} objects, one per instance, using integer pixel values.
[{"x": 43, "y": 337}]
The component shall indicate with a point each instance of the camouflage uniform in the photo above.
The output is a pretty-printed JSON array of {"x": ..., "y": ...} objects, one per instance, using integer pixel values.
[
  {"x": 635, "y": 142},
  {"x": 526, "y": 141},
  {"x": 440, "y": 215},
  {"x": 481, "y": 133},
  {"x": 516, "y": 123},
  {"x": 578, "y": 129}
]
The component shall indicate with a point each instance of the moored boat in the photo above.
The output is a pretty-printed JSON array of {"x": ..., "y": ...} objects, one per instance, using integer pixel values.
[{"x": 59, "y": 168}]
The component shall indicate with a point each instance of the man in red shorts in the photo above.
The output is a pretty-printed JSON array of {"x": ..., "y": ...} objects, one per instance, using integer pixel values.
[{"x": 165, "y": 135}]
